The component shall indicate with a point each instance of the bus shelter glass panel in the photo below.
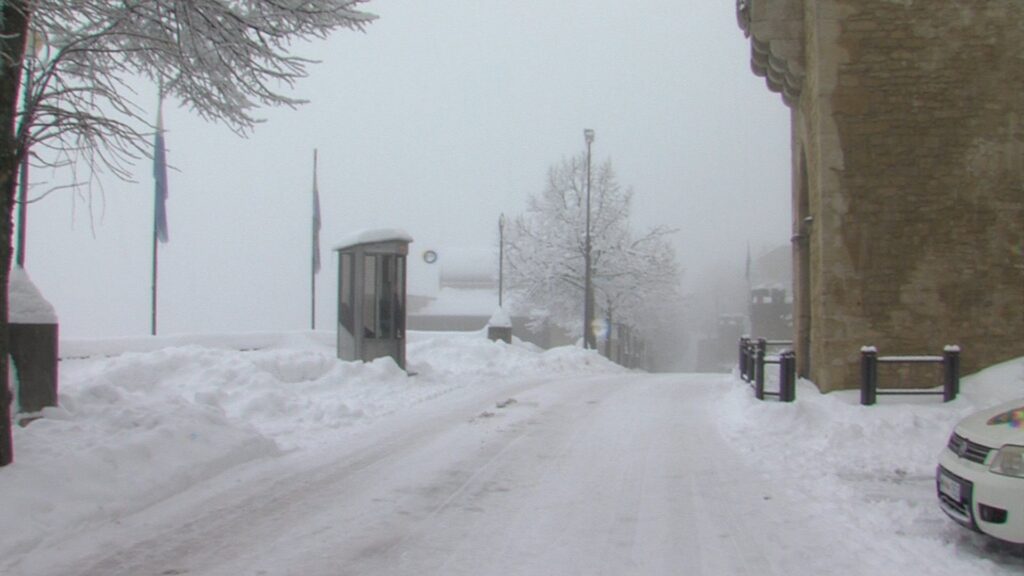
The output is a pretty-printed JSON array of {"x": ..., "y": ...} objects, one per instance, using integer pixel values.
[
  {"x": 371, "y": 322},
  {"x": 347, "y": 303},
  {"x": 399, "y": 312},
  {"x": 389, "y": 304},
  {"x": 383, "y": 295}
]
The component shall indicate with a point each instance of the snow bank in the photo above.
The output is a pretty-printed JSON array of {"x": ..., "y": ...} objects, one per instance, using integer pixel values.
[
  {"x": 470, "y": 357},
  {"x": 849, "y": 439},
  {"x": 143, "y": 419},
  {"x": 874, "y": 466}
]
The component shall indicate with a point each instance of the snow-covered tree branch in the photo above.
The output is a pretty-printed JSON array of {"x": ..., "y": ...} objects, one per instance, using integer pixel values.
[{"x": 221, "y": 58}]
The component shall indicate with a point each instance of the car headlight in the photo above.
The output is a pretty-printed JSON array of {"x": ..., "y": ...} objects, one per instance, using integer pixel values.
[{"x": 1009, "y": 461}]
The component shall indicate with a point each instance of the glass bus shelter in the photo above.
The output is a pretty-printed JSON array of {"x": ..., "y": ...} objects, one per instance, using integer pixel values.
[{"x": 371, "y": 296}]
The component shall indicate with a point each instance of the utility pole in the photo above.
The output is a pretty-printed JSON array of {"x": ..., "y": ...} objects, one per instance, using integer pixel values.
[
  {"x": 501, "y": 257},
  {"x": 588, "y": 287}
]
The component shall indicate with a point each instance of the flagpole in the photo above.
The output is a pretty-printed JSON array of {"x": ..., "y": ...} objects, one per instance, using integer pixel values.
[
  {"x": 159, "y": 199},
  {"x": 156, "y": 217},
  {"x": 315, "y": 252},
  {"x": 152, "y": 324}
]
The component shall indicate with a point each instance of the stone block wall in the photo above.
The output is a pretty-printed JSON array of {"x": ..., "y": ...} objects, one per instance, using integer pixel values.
[{"x": 909, "y": 160}]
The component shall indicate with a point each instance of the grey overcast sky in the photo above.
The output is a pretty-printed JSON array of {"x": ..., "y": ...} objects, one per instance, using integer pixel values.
[{"x": 443, "y": 115}]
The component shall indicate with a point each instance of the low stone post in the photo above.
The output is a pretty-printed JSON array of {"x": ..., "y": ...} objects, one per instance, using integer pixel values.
[
  {"x": 33, "y": 349},
  {"x": 787, "y": 376},
  {"x": 33, "y": 342},
  {"x": 762, "y": 348},
  {"x": 499, "y": 327},
  {"x": 744, "y": 343}
]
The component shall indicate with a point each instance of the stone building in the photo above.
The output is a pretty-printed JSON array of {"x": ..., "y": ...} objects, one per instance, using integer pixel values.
[{"x": 908, "y": 175}]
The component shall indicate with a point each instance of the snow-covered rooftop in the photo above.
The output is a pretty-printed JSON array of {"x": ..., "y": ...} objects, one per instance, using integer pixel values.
[
  {"x": 500, "y": 319},
  {"x": 27, "y": 304},
  {"x": 372, "y": 236},
  {"x": 462, "y": 302}
]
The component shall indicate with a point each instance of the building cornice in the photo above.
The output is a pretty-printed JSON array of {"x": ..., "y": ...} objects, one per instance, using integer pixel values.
[{"x": 776, "y": 32}]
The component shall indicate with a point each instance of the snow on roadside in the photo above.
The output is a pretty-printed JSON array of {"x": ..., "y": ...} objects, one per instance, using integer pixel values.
[
  {"x": 460, "y": 356},
  {"x": 873, "y": 466},
  {"x": 899, "y": 436},
  {"x": 143, "y": 419}
]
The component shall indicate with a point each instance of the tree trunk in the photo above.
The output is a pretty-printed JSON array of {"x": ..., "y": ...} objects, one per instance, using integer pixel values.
[
  {"x": 608, "y": 334},
  {"x": 13, "y": 29}
]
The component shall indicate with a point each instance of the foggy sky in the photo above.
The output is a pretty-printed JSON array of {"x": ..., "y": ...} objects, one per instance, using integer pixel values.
[{"x": 443, "y": 115}]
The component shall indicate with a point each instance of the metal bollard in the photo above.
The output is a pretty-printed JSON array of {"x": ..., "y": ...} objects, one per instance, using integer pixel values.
[
  {"x": 751, "y": 361},
  {"x": 744, "y": 341},
  {"x": 762, "y": 347},
  {"x": 787, "y": 376},
  {"x": 868, "y": 375},
  {"x": 951, "y": 366}
]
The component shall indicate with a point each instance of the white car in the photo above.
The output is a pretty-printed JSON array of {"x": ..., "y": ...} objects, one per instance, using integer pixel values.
[{"x": 980, "y": 478}]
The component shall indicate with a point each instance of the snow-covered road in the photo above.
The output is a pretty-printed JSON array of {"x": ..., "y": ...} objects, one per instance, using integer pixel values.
[
  {"x": 619, "y": 474},
  {"x": 281, "y": 460},
  {"x": 614, "y": 474}
]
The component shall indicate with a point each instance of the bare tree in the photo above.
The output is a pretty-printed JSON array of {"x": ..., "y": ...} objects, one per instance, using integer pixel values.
[
  {"x": 223, "y": 59},
  {"x": 547, "y": 246},
  {"x": 639, "y": 284}
]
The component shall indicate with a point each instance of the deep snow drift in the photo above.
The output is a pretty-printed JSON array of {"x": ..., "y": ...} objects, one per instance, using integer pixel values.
[
  {"x": 133, "y": 428},
  {"x": 143, "y": 419}
]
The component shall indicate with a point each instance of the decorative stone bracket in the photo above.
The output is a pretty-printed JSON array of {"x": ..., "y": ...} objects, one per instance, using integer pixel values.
[{"x": 776, "y": 32}]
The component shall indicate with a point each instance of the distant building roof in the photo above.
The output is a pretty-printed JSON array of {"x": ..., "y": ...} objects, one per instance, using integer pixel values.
[
  {"x": 458, "y": 282},
  {"x": 469, "y": 268},
  {"x": 461, "y": 302},
  {"x": 773, "y": 268}
]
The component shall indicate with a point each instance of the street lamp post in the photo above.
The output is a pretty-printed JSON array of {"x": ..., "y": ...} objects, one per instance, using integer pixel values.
[
  {"x": 501, "y": 256},
  {"x": 588, "y": 287}
]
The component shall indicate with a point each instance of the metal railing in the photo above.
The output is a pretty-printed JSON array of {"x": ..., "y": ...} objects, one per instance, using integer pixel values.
[
  {"x": 869, "y": 361},
  {"x": 753, "y": 356}
]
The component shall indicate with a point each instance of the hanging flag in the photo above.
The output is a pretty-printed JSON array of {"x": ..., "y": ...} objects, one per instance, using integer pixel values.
[
  {"x": 160, "y": 177},
  {"x": 316, "y": 220}
]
